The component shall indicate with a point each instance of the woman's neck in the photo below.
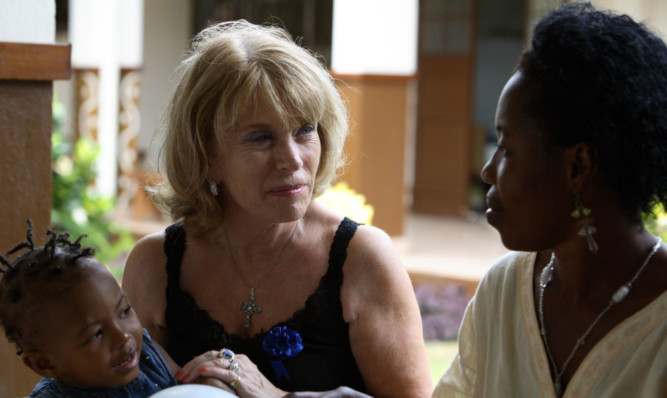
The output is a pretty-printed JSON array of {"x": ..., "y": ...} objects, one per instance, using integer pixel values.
[{"x": 583, "y": 275}]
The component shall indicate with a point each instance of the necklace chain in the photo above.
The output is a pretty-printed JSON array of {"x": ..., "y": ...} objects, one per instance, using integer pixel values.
[
  {"x": 249, "y": 307},
  {"x": 617, "y": 297}
]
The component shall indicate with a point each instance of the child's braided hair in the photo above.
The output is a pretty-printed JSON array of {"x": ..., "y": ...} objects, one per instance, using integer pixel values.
[{"x": 35, "y": 277}]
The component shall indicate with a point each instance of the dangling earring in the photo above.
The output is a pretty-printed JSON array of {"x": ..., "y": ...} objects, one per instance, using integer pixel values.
[
  {"x": 587, "y": 230},
  {"x": 213, "y": 186}
]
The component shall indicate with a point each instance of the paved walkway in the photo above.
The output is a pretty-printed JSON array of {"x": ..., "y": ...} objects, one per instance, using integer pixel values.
[{"x": 449, "y": 247}]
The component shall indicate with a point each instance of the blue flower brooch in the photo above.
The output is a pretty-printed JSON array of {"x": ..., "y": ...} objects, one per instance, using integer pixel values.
[{"x": 282, "y": 343}]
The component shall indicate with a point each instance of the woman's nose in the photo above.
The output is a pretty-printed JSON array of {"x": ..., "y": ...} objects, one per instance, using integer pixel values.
[
  {"x": 288, "y": 157},
  {"x": 488, "y": 172}
]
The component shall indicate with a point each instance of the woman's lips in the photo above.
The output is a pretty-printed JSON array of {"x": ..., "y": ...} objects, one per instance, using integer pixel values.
[
  {"x": 128, "y": 363},
  {"x": 288, "y": 191},
  {"x": 493, "y": 211}
]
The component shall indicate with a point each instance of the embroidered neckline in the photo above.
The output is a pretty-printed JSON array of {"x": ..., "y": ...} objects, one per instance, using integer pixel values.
[
  {"x": 299, "y": 316},
  {"x": 310, "y": 311}
]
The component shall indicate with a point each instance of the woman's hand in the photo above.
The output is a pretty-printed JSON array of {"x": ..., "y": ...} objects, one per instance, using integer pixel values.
[
  {"x": 229, "y": 371},
  {"x": 192, "y": 371}
]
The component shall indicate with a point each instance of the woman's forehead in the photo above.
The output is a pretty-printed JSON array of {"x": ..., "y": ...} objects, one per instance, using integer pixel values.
[
  {"x": 264, "y": 112},
  {"x": 520, "y": 98}
]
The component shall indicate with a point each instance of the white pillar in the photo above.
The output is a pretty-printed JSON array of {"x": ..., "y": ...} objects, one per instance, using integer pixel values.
[
  {"x": 106, "y": 35},
  {"x": 28, "y": 21},
  {"x": 374, "y": 56},
  {"x": 375, "y": 37}
]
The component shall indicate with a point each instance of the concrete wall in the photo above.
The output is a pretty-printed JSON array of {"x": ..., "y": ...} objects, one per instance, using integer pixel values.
[
  {"x": 28, "y": 21},
  {"x": 167, "y": 33}
]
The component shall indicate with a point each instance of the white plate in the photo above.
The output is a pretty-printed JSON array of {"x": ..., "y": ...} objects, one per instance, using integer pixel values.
[{"x": 192, "y": 390}]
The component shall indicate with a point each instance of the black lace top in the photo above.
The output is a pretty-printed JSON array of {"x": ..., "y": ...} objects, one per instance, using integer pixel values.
[{"x": 326, "y": 361}]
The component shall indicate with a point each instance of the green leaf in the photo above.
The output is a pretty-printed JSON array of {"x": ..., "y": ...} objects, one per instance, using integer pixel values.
[{"x": 77, "y": 208}]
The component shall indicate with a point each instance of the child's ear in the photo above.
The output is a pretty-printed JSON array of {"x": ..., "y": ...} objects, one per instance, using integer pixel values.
[{"x": 39, "y": 363}]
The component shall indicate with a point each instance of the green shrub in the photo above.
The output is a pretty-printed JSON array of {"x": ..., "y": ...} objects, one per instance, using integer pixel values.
[
  {"x": 656, "y": 223},
  {"x": 76, "y": 207}
]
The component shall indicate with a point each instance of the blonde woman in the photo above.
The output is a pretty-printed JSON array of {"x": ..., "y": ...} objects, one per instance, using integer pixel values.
[{"x": 253, "y": 265}]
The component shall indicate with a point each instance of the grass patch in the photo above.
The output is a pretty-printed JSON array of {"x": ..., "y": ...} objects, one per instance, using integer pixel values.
[{"x": 440, "y": 355}]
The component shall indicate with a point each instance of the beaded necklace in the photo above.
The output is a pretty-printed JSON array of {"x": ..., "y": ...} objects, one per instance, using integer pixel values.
[{"x": 618, "y": 296}]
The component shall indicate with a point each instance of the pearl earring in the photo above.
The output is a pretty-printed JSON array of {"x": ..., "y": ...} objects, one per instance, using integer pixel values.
[{"x": 213, "y": 186}]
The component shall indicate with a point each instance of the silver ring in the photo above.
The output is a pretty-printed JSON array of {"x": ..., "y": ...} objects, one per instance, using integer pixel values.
[{"x": 234, "y": 366}]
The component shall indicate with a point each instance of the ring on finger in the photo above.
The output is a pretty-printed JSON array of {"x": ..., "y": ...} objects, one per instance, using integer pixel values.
[
  {"x": 233, "y": 385},
  {"x": 226, "y": 353},
  {"x": 234, "y": 366}
]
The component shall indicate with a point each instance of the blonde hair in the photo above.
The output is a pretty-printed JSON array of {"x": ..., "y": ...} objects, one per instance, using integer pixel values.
[{"x": 234, "y": 65}]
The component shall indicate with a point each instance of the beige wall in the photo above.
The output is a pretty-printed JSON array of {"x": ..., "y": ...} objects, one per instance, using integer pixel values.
[
  {"x": 167, "y": 33},
  {"x": 652, "y": 12}
]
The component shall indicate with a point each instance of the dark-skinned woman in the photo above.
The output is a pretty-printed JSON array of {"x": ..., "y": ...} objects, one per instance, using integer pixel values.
[{"x": 579, "y": 309}]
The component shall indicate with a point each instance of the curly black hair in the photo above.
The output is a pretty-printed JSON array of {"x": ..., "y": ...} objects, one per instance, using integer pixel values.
[
  {"x": 602, "y": 80},
  {"x": 34, "y": 277}
]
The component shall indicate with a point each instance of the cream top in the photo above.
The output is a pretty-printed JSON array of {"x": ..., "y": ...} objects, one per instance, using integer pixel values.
[{"x": 501, "y": 352}]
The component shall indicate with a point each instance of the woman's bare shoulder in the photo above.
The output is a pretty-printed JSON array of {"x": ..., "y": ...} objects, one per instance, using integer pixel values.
[
  {"x": 144, "y": 282},
  {"x": 369, "y": 244},
  {"x": 145, "y": 260},
  {"x": 373, "y": 246},
  {"x": 151, "y": 242}
]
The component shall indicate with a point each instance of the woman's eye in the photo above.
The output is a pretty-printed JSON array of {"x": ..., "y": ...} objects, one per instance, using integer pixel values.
[
  {"x": 259, "y": 137},
  {"x": 307, "y": 129}
]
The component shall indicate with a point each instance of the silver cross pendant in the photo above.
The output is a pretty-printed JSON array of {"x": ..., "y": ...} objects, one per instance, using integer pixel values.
[{"x": 250, "y": 308}]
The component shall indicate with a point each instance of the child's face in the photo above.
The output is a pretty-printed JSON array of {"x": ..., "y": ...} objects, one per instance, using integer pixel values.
[{"x": 94, "y": 336}]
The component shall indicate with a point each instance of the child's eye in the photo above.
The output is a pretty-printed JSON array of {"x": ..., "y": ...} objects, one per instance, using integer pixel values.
[
  {"x": 126, "y": 312},
  {"x": 95, "y": 336}
]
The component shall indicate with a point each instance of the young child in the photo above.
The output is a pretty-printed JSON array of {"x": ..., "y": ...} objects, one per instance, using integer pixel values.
[{"x": 73, "y": 324}]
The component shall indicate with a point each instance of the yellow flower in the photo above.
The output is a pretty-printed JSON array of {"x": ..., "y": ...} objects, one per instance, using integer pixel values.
[{"x": 345, "y": 200}]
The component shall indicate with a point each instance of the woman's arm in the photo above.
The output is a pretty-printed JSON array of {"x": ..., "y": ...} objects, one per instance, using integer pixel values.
[
  {"x": 385, "y": 325},
  {"x": 145, "y": 283}
]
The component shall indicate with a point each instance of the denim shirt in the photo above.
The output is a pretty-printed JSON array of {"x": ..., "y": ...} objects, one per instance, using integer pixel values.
[{"x": 154, "y": 375}]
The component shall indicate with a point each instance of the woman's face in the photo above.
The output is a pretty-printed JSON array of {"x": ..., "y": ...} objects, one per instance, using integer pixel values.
[
  {"x": 529, "y": 201},
  {"x": 266, "y": 171}
]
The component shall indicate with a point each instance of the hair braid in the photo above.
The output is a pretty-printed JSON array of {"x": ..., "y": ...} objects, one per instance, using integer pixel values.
[{"x": 33, "y": 277}]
